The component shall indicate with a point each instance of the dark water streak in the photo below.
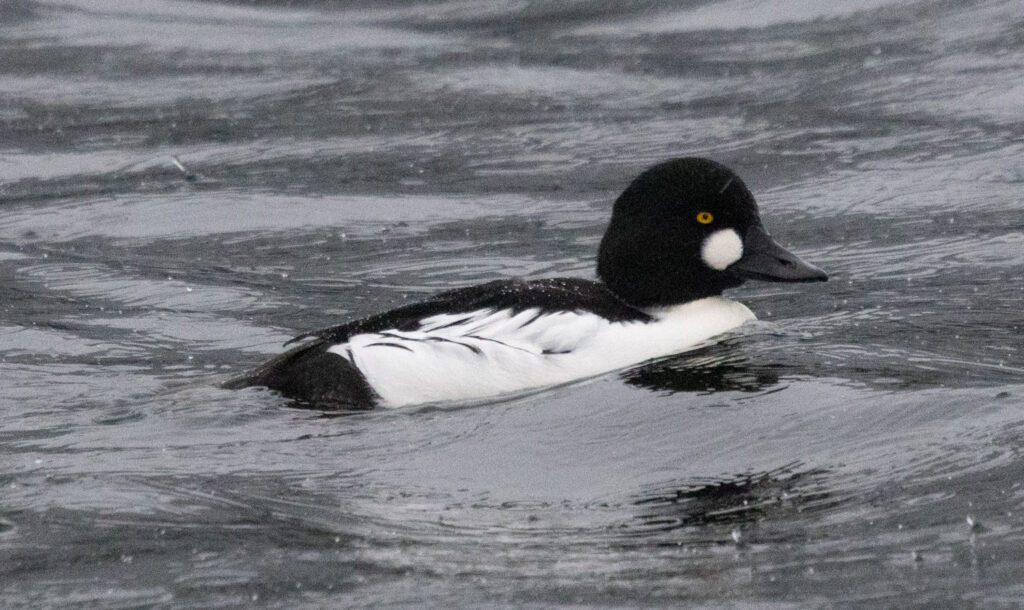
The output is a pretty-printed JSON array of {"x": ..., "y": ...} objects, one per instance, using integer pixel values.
[{"x": 857, "y": 447}]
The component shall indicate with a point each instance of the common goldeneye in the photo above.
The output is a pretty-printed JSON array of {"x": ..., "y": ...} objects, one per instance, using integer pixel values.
[{"x": 684, "y": 231}]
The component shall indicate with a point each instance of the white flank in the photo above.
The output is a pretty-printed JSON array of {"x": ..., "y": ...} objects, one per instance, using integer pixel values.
[
  {"x": 721, "y": 249},
  {"x": 488, "y": 353}
]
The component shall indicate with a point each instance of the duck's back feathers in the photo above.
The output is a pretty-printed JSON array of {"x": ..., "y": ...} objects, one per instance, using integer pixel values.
[
  {"x": 479, "y": 335},
  {"x": 515, "y": 295}
]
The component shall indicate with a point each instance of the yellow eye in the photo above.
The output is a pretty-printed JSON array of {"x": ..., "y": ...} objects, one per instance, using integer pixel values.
[{"x": 705, "y": 218}]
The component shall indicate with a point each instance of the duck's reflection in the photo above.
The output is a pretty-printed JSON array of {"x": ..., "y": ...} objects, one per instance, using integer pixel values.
[
  {"x": 712, "y": 369},
  {"x": 733, "y": 499}
]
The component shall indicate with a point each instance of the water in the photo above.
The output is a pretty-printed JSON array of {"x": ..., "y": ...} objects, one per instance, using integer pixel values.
[{"x": 858, "y": 446}]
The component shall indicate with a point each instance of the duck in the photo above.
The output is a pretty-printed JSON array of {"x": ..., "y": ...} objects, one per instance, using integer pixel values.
[{"x": 681, "y": 233}]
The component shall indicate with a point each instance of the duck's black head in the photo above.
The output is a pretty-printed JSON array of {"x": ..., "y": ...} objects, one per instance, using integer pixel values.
[{"x": 687, "y": 229}]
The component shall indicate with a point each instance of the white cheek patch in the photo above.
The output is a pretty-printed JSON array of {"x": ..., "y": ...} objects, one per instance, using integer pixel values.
[{"x": 721, "y": 249}]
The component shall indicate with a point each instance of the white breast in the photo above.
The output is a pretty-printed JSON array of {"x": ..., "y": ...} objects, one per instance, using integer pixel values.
[{"x": 488, "y": 353}]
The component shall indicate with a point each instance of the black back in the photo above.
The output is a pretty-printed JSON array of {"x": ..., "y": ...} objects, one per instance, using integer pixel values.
[{"x": 546, "y": 295}]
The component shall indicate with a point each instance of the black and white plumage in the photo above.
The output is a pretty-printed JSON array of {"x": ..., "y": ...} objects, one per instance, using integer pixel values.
[{"x": 680, "y": 234}]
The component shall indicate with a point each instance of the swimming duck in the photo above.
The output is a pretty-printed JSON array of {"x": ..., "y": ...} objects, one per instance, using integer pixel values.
[{"x": 681, "y": 233}]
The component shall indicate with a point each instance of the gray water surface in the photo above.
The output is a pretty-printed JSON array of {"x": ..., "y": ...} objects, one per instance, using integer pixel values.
[{"x": 859, "y": 445}]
